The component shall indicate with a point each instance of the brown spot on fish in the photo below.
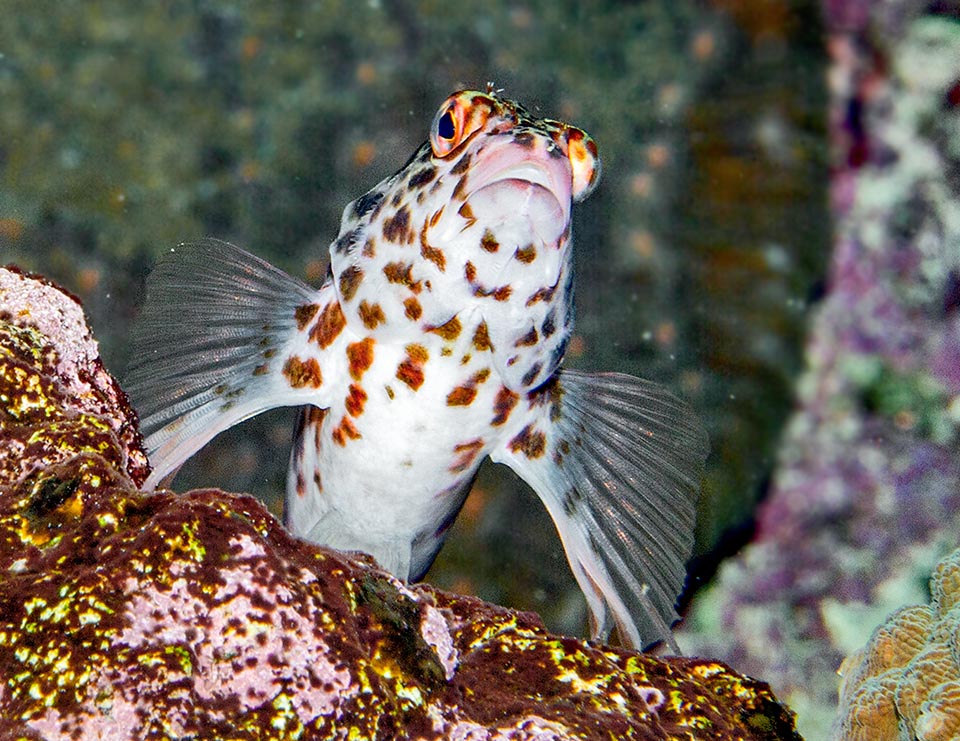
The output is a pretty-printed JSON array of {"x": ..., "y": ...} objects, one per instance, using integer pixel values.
[
  {"x": 302, "y": 373},
  {"x": 402, "y": 273},
  {"x": 371, "y": 315},
  {"x": 503, "y": 404},
  {"x": 470, "y": 272},
  {"x": 370, "y": 247},
  {"x": 526, "y": 254},
  {"x": 458, "y": 191},
  {"x": 262, "y": 370},
  {"x": 422, "y": 177},
  {"x": 344, "y": 431},
  {"x": 317, "y": 481},
  {"x": 329, "y": 325},
  {"x": 542, "y": 294},
  {"x": 489, "y": 242},
  {"x": 304, "y": 314},
  {"x": 438, "y": 213},
  {"x": 462, "y": 396},
  {"x": 449, "y": 330},
  {"x": 356, "y": 398},
  {"x": 467, "y": 453},
  {"x": 501, "y": 293},
  {"x": 412, "y": 309},
  {"x": 395, "y": 227},
  {"x": 530, "y": 375},
  {"x": 410, "y": 370},
  {"x": 349, "y": 282},
  {"x": 525, "y": 140},
  {"x": 529, "y": 441},
  {"x": 548, "y": 327},
  {"x": 530, "y": 338},
  {"x": 428, "y": 252},
  {"x": 360, "y": 357},
  {"x": 467, "y": 213},
  {"x": 389, "y": 390},
  {"x": 463, "y": 164},
  {"x": 481, "y": 338}
]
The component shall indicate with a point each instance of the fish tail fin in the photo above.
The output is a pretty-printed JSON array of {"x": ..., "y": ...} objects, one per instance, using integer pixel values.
[
  {"x": 617, "y": 461},
  {"x": 208, "y": 347}
]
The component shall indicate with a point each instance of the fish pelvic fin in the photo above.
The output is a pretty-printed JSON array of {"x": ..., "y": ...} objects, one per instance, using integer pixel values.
[
  {"x": 617, "y": 461},
  {"x": 209, "y": 347}
]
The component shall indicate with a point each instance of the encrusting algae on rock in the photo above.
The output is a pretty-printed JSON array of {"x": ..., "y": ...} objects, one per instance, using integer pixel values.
[{"x": 128, "y": 616}]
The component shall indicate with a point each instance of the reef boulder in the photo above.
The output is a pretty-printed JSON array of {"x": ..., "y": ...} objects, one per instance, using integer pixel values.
[{"x": 126, "y": 615}]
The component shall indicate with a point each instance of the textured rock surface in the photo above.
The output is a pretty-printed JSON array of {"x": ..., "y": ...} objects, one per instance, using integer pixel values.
[
  {"x": 128, "y": 616},
  {"x": 867, "y": 491},
  {"x": 905, "y": 683}
]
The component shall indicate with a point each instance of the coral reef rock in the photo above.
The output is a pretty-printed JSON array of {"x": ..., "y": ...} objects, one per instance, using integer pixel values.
[
  {"x": 125, "y": 615},
  {"x": 905, "y": 683}
]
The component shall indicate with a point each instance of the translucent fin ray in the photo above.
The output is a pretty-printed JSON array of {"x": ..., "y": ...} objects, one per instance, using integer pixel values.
[
  {"x": 208, "y": 347},
  {"x": 620, "y": 474}
]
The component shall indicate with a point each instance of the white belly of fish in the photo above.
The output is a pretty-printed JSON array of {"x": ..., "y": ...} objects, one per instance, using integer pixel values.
[{"x": 386, "y": 468}]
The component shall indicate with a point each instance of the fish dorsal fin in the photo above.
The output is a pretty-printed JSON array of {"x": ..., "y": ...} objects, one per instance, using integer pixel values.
[
  {"x": 210, "y": 345},
  {"x": 617, "y": 462}
]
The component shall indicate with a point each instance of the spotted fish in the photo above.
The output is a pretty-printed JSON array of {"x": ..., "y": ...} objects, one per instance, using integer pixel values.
[{"x": 436, "y": 341}]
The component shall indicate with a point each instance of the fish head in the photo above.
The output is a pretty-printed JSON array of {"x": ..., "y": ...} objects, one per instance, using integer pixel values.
[{"x": 477, "y": 222}]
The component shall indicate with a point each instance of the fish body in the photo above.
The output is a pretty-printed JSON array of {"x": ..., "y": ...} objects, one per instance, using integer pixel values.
[{"x": 436, "y": 341}]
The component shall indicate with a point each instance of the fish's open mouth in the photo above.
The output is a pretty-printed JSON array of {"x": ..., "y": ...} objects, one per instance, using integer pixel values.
[{"x": 525, "y": 194}]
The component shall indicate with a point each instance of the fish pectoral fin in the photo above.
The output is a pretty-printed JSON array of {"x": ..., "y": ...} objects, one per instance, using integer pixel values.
[
  {"x": 617, "y": 461},
  {"x": 208, "y": 348}
]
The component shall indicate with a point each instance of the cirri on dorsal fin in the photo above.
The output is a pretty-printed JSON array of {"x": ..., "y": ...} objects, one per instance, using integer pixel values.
[
  {"x": 210, "y": 345},
  {"x": 617, "y": 462}
]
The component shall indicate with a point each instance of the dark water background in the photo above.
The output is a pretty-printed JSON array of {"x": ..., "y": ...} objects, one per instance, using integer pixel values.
[{"x": 127, "y": 127}]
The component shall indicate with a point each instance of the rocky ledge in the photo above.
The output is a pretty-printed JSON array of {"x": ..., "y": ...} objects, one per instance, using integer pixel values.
[{"x": 125, "y": 615}]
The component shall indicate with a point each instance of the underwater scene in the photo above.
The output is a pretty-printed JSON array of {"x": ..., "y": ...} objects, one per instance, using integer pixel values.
[{"x": 765, "y": 222}]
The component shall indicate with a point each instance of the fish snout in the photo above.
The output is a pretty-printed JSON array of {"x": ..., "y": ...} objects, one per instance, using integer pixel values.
[{"x": 584, "y": 159}]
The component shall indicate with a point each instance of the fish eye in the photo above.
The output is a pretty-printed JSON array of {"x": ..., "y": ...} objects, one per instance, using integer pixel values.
[
  {"x": 445, "y": 126},
  {"x": 460, "y": 116}
]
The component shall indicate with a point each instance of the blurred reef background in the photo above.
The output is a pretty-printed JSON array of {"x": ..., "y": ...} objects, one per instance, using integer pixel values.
[{"x": 730, "y": 205}]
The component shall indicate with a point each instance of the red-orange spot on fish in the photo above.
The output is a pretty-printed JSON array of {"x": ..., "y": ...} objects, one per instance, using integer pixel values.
[
  {"x": 360, "y": 357},
  {"x": 344, "y": 431},
  {"x": 410, "y": 370},
  {"x": 302, "y": 373},
  {"x": 329, "y": 325},
  {"x": 462, "y": 396},
  {"x": 356, "y": 398}
]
